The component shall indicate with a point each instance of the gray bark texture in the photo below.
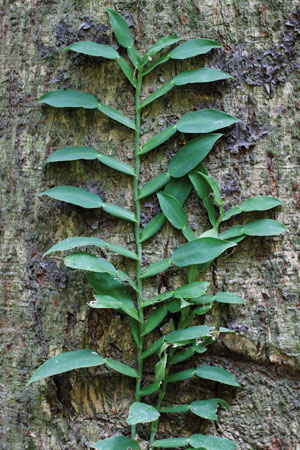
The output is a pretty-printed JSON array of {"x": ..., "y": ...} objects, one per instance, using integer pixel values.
[{"x": 44, "y": 305}]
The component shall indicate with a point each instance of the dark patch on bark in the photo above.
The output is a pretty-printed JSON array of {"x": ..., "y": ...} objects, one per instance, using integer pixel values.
[
  {"x": 243, "y": 136},
  {"x": 270, "y": 68}
]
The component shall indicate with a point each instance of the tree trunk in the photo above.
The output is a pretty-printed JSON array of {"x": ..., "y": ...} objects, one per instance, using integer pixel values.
[{"x": 44, "y": 309}]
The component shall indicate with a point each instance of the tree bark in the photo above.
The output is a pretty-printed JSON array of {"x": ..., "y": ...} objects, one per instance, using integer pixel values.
[{"x": 44, "y": 309}]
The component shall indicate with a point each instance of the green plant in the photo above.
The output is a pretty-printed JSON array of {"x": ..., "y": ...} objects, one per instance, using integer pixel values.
[{"x": 113, "y": 288}]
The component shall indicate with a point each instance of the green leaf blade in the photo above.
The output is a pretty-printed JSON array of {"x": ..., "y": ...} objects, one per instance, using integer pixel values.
[
  {"x": 154, "y": 320},
  {"x": 195, "y": 332},
  {"x": 116, "y": 443},
  {"x": 260, "y": 203},
  {"x": 228, "y": 297},
  {"x": 68, "y": 98},
  {"x": 152, "y": 227},
  {"x": 93, "y": 49},
  {"x": 191, "y": 290},
  {"x": 175, "y": 409},
  {"x": 181, "y": 376},
  {"x": 116, "y": 115},
  {"x": 192, "y": 48},
  {"x": 121, "y": 368},
  {"x": 205, "y": 121},
  {"x": 75, "y": 196},
  {"x": 156, "y": 63},
  {"x": 72, "y": 154},
  {"x": 203, "y": 75},
  {"x": 91, "y": 263},
  {"x": 172, "y": 209},
  {"x": 200, "y": 251},
  {"x": 207, "y": 442},
  {"x": 121, "y": 29},
  {"x": 116, "y": 164},
  {"x": 154, "y": 185},
  {"x": 158, "y": 93},
  {"x": 67, "y": 361},
  {"x": 207, "y": 408},
  {"x": 264, "y": 227},
  {"x": 191, "y": 154},
  {"x": 171, "y": 443},
  {"x": 126, "y": 69},
  {"x": 119, "y": 212},
  {"x": 157, "y": 140},
  {"x": 217, "y": 374},
  {"x": 73, "y": 242},
  {"x": 142, "y": 413},
  {"x": 156, "y": 268},
  {"x": 162, "y": 43}
]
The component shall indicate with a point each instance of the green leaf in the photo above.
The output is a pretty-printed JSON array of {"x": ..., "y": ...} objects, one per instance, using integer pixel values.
[
  {"x": 157, "y": 140},
  {"x": 73, "y": 242},
  {"x": 157, "y": 299},
  {"x": 171, "y": 443},
  {"x": 116, "y": 443},
  {"x": 75, "y": 196},
  {"x": 134, "y": 328},
  {"x": 116, "y": 115},
  {"x": 126, "y": 69},
  {"x": 189, "y": 333},
  {"x": 153, "y": 348},
  {"x": 203, "y": 300},
  {"x": 93, "y": 49},
  {"x": 181, "y": 376},
  {"x": 232, "y": 212},
  {"x": 192, "y": 48},
  {"x": 116, "y": 164},
  {"x": 217, "y": 374},
  {"x": 162, "y": 43},
  {"x": 85, "y": 261},
  {"x": 183, "y": 355},
  {"x": 205, "y": 121},
  {"x": 179, "y": 188},
  {"x": 122, "y": 251},
  {"x": 261, "y": 203},
  {"x": 156, "y": 63},
  {"x": 121, "y": 29},
  {"x": 237, "y": 230},
  {"x": 202, "y": 310},
  {"x": 119, "y": 212},
  {"x": 72, "y": 154},
  {"x": 154, "y": 320},
  {"x": 201, "y": 186},
  {"x": 264, "y": 227},
  {"x": 156, "y": 268},
  {"x": 215, "y": 188},
  {"x": 105, "y": 284},
  {"x": 134, "y": 56},
  {"x": 142, "y": 413},
  {"x": 158, "y": 93},
  {"x": 188, "y": 234},
  {"x": 203, "y": 75},
  {"x": 191, "y": 290},
  {"x": 206, "y": 442},
  {"x": 152, "y": 227},
  {"x": 160, "y": 368},
  {"x": 172, "y": 209},
  {"x": 228, "y": 297},
  {"x": 207, "y": 408},
  {"x": 68, "y": 98},
  {"x": 122, "y": 368},
  {"x": 175, "y": 409},
  {"x": 154, "y": 185},
  {"x": 199, "y": 251},
  {"x": 66, "y": 362},
  {"x": 106, "y": 302},
  {"x": 191, "y": 154},
  {"x": 148, "y": 390}
]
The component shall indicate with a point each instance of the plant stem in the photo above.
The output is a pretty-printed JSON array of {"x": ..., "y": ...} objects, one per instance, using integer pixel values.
[{"x": 137, "y": 238}]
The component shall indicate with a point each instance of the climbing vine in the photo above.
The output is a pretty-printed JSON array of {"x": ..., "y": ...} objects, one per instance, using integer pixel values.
[{"x": 118, "y": 290}]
